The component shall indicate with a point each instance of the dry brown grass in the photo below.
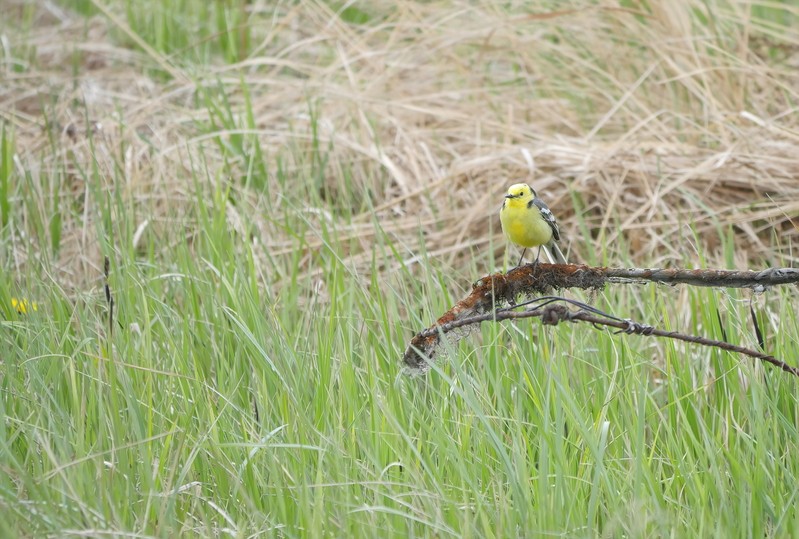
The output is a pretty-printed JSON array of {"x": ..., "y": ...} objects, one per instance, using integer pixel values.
[{"x": 654, "y": 121}]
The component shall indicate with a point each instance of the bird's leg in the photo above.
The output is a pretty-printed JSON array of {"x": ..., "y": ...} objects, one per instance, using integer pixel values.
[
  {"x": 537, "y": 256},
  {"x": 521, "y": 257}
]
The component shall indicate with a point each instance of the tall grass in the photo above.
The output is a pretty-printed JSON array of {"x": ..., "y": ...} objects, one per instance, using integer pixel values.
[{"x": 287, "y": 192}]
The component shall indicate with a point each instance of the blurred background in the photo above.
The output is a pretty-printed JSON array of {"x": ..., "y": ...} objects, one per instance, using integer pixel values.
[{"x": 655, "y": 131}]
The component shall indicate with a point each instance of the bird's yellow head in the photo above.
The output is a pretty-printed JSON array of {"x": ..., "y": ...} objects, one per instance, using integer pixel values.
[{"x": 520, "y": 194}]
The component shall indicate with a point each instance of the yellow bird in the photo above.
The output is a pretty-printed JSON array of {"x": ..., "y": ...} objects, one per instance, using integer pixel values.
[{"x": 527, "y": 221}]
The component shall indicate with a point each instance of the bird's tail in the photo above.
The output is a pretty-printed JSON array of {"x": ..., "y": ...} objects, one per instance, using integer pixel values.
[{"x": 557, "y": 254}]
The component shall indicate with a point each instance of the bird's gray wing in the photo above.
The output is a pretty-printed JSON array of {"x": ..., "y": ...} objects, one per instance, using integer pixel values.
[{"x": 548, "y": 217}]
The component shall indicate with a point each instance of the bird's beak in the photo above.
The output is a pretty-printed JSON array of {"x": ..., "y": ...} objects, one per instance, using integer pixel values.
[{"x": 510, "y": 196}]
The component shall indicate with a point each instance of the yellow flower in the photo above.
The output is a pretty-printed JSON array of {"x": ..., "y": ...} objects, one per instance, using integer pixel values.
[{"x": 22, "y": 305}]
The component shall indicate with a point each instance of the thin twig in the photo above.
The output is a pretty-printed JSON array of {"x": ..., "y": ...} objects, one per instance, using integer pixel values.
[
  {"x": 108, "y": 297},
  {"x": 552, "y": 314}
]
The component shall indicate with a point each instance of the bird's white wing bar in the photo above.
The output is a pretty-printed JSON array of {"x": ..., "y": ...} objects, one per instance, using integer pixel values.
[{"x": 548, "y": 217}]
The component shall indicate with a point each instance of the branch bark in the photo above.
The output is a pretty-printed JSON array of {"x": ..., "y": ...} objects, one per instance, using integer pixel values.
[{"x": 756, "y": 280}]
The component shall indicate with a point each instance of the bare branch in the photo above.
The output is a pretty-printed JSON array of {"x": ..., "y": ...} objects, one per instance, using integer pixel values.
[
  {"x": 498, "y": 289},
  {"x": 757, "y": 280}
]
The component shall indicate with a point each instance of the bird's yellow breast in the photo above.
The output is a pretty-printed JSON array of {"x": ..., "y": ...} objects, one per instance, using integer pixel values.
[{"x": 524, "y": 226}]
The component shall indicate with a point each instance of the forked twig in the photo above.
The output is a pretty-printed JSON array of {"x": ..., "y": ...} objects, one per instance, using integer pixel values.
[{"x": 490, "y": 293}]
